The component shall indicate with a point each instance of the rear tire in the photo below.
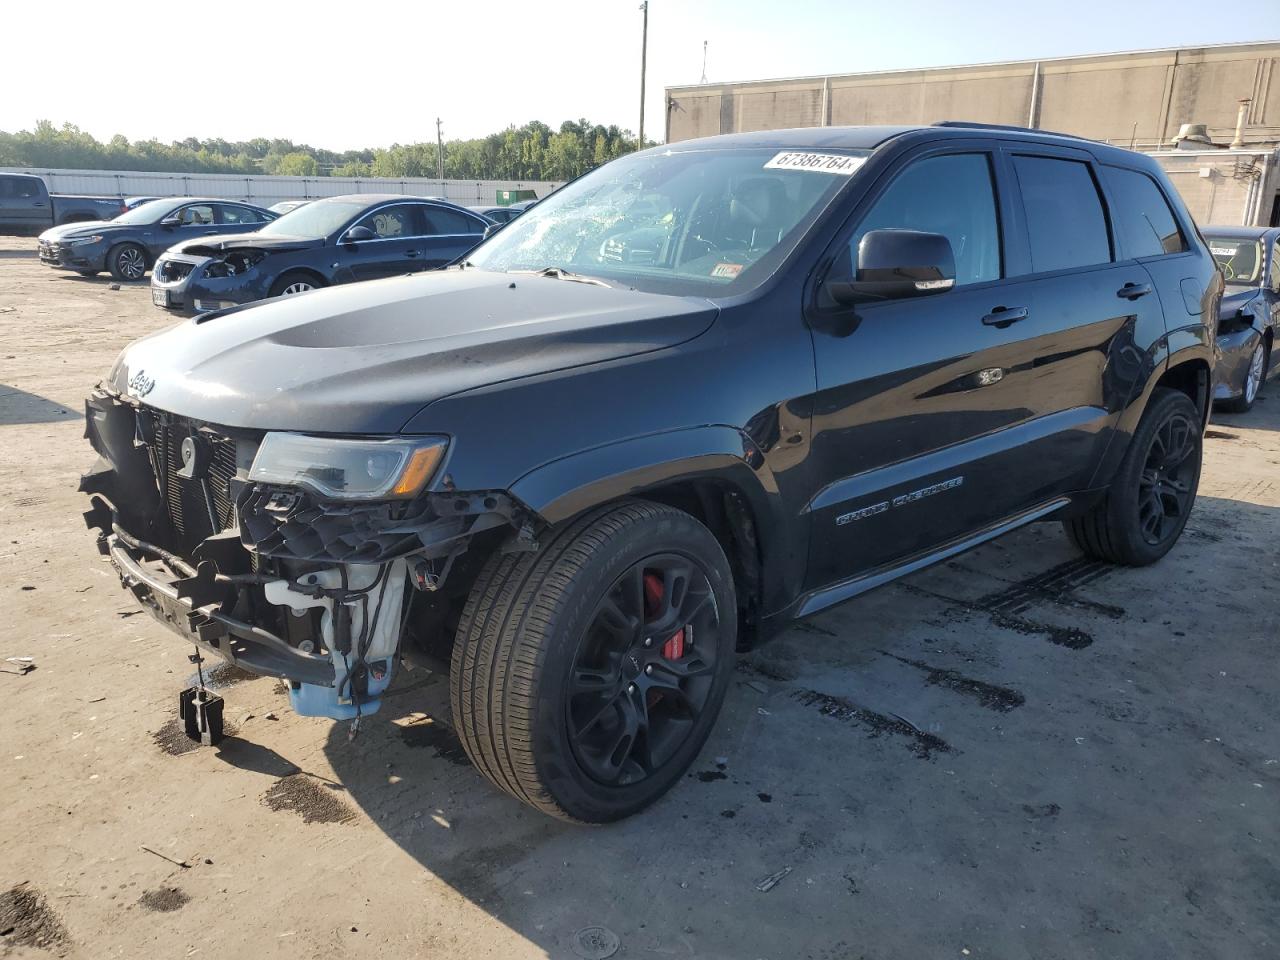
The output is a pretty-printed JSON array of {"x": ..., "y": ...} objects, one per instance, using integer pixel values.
[
  {"x": 127, "y": 262},
  {"x": 294, "y": 283},
  {"x": 540, "y": 693},
  {"x": 1147, "y": 505}
]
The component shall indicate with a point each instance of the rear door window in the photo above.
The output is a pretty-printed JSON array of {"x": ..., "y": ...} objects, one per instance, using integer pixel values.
[
  {"x": 1065, "y": 223},
  {"x": 1143, "y": 219},
  {"x": 235, "y": 214},
  {"x": 442, "y": 221}
]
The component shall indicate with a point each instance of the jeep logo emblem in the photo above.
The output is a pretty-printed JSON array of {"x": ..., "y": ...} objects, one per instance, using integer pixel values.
[{"x": 140, "y": 384}]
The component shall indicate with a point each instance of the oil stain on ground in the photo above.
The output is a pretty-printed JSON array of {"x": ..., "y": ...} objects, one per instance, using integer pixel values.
[
  {"x": 989, "y": 695},
  {"x": 164, "y": 899},
  {"x": 172, "y": 739},
  {"x": 923, "y": 744},
  {"x": 431, "y": 733},
  {"x": 1056, "y": 585},
  {"x": 1073, "y": 638},
  {"x": 26, "y": 920},
  {"x": 309, "y": 799}
]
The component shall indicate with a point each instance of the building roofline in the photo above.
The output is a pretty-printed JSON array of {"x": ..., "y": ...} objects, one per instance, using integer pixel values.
[{"x": 969, "y": 66}]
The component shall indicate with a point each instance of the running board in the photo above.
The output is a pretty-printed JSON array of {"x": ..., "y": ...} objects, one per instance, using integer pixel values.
[{"x": 856, "y": 586}]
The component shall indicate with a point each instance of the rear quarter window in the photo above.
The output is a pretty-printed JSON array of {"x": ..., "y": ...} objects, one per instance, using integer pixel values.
[{"x": 1144, "y": 221}]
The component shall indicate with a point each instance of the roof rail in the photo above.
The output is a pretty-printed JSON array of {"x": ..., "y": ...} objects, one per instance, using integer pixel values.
[{"x": 1006, "y": 126}]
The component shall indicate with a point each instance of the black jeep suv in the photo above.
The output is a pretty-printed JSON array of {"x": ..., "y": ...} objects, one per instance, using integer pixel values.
[{"x": 705, "y": 390}]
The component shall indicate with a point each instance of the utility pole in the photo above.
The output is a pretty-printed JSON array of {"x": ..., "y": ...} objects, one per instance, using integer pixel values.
[
  {"x": 439, "y": 151},
  {"x": 704, "y": 62},
  {"x": 644, "y": 50}
]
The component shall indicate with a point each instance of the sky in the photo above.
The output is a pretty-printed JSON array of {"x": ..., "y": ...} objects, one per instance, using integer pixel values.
[{"x": 345, "y": 75}]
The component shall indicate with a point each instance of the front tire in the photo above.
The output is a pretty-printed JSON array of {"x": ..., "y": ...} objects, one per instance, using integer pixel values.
[
  {"x": 127, "y": 262},
  {"x": 1254, "y": 376},
  {"x": 1149, "y": 500},
  {"x": 587, "y": 675},
  {"x": 294, "y": 283}
]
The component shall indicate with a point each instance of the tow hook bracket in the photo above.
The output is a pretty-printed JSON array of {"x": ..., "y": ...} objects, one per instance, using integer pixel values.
[{"x": 200, "y": 710}]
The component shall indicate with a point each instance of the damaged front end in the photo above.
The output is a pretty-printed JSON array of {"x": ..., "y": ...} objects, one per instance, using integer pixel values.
[{"x": 284, "y": 561}]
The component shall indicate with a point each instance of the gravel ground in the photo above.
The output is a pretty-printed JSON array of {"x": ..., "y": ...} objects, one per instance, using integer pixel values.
[{"x": 1017, "y": 754}]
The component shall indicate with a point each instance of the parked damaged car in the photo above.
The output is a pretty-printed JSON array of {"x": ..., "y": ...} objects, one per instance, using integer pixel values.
[
  {"x": 702, "y": 391},
  {"x": 1249, "y": 258},
  {"x": 330, "y": 241},
  {"x": 128, "y": 245}
]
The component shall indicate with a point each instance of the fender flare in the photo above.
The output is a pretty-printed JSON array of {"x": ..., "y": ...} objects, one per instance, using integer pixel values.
[{"x": 566, "y": 487}]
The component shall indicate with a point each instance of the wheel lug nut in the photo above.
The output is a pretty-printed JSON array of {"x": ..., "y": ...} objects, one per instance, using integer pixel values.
[
  {"x": 649, "y": 669},
  {"x": 631, "y": 688},
  {"x": 648, "y": 641}
]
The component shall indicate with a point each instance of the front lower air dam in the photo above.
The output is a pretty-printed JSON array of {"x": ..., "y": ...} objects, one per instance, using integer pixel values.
[{"x": 360, "y": 628}]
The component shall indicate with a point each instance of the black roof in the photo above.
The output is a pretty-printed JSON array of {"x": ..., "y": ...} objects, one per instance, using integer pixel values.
[
  {"x": 870, "y": 137},
  {"x": 1244, "y": 233}
]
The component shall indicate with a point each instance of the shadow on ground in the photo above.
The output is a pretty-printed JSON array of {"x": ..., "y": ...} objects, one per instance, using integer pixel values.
[
  {"x": 923, "y": 771},
  {"x": 18, "y": 406}
]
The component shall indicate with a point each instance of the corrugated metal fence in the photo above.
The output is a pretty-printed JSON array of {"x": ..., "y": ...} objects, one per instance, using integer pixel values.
[{"x": 266, "y": 190}]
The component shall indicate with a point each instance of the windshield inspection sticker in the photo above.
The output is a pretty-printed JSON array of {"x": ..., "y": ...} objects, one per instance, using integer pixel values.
[
  {"x": 726, "y": 270},
  {"x": 816, "y": 162}
]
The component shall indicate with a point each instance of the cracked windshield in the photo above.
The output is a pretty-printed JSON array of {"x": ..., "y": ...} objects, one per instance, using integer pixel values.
[{"x": 703, "y": 222}]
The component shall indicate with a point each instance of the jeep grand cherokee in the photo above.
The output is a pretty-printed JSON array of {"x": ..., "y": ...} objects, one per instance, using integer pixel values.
[{"x": 703, "y": 391}]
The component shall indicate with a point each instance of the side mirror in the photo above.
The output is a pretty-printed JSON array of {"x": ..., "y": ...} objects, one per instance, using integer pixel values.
[
  {"x": 491, "y": 228},
  {"x": 174, "y": 221},
  {"x": 894, "y": 264},
  {"x": 357, "y": 234}
]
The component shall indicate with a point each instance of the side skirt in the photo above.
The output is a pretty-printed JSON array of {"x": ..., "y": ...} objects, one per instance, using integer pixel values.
[{"x": 825, "y": 597}]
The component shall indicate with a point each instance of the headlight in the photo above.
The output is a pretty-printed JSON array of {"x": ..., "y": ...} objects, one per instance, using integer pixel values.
[
  {"x": 76, "y": 241},
  {"x": 349, "y": 469}
]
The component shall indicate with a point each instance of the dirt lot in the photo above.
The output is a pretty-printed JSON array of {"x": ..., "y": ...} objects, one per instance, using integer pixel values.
[{"x": 1019, "y": 754}]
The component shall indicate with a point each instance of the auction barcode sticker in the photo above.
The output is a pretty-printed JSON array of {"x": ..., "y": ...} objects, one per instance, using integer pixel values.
[{"x": 816, "y": 162}]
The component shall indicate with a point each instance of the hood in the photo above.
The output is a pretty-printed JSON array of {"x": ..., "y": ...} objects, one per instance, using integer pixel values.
[
  {"x": 81, "y": 228},
  {"x": 365, "y": 357},
  {"x": 1235, "y": 299},
  {"x": 216, "y": 245}
]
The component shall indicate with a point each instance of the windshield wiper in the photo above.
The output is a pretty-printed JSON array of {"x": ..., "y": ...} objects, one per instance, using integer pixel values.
[{"x": 560, "y": 273}]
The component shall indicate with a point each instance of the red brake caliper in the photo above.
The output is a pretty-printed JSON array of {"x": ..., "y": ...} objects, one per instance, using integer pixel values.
[{"x": 673, "y": 649}]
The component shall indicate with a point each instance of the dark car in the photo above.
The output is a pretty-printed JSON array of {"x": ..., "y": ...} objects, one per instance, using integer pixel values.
[
  {"x": 1250, "y": 314},
  {"x": 329, "y": 241},
  {"x": 129, "y": 244},
  {"x": 27, "y": 207},
  {"x": 497, "y": 214},
  {"x": 703, "y": 391}
]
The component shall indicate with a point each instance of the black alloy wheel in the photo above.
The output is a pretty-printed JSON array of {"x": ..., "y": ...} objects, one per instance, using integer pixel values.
[
  {"x": 1166, "y": 489},
  {"x": 644, "y": 670}
]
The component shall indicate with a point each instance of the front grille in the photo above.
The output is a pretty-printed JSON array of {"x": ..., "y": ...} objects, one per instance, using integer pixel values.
[
  {"x": 199, "y": 505},
  {"x": 174, "y": 270}
]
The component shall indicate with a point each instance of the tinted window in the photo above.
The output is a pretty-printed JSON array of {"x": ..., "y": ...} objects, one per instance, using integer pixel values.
[
  {"x": 950, "y": 195},
  {"x": 440, "y": 220},
  {"x": 19, "y": 188},
  {"x": 1146, "y": 225},
  {"x": 391, "y": 222},
  {"x": 1064, "y": 214}
]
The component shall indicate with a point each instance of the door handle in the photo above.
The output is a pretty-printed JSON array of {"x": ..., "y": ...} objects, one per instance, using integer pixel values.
[
  {"x": 412, "y": 253},
  {"x": 1003, "y": 316},
  {"x": 1132, "y": 291}
]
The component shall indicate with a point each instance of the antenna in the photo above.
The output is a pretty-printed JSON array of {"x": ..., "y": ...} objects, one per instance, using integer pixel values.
[{"x": 704, "y": 62}]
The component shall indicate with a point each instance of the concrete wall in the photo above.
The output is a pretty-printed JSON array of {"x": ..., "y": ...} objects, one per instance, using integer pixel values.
[
  {"x": 1227, "y": 187},
  {"x": 267, "y": 190},
  {"x": 1128, "y": 97}
]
